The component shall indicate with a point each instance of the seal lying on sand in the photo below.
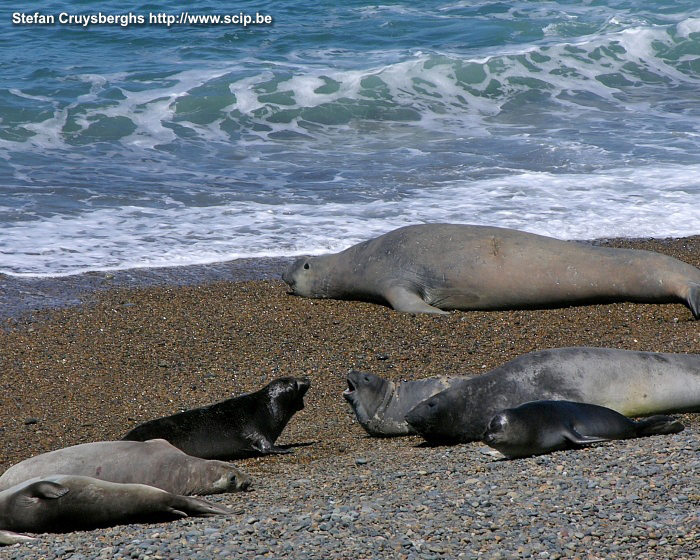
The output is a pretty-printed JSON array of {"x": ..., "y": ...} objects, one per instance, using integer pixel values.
[
  {"x": 430, "y": 268},
  {"x": 155, "y": 463},
  {"x": 629, "y": 382},
  {"x": 542, "y": 426},
  {"x": 62, "y": 503},
  {"x": 232, "y": 429}
]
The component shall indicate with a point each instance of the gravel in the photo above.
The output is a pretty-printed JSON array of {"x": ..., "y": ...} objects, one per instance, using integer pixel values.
[{"x": 91, "y": 373}]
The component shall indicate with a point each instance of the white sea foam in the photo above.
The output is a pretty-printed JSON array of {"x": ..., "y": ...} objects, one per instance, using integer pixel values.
[{"x": 659, "y": 201}]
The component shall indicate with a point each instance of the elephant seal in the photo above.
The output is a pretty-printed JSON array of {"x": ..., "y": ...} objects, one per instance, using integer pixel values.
[
  {"x": 61, "y": 503},
  {"x": 155, "y": 463},
  {"x": 381, "y": 405},
  {"x": 539, "y": 427},
  {"x": 430, "y": 268},
  {"x": 232, "y": 429},
  {"x": 630, "y": 382}
]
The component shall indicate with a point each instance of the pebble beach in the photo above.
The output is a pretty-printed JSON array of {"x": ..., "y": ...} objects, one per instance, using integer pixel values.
[{"x": 127, "y": 354}]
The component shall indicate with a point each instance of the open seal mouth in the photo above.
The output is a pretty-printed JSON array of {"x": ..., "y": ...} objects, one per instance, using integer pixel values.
[{"x": 349, "y": 393}]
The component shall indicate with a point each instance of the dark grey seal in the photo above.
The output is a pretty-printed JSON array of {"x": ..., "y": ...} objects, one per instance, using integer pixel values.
[
  {"x": 154, "y": 462},
  {"x": 232, "y": 429},
  {"x": 430, "y": 268},
  {"x": 630, "y": 382},
  {"x": 61, "y": 503},
  {"x": 539, "y": 427}
]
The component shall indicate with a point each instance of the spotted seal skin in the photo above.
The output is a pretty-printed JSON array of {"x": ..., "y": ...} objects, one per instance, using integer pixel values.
[
  {"x": 629, "y": 382},
  {"x": 155, "y": 463},
  {"x": 432, "y": 268},
  {"x": 62, "y": 503},
  {"x": 381, "y": 405},
  {"x": 232, "y": 429},
  {"x": 541, "y": 427}
]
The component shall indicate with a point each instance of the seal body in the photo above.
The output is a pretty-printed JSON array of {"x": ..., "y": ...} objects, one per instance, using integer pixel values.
[
  {"x": 430, "y": 268},
  {"x": 62, "y": 503},
  {"x": 155, "y": 463},
  {"x": 540, "y": 427},
  {"x": 381, "y": 405},
  {"x": 629, "y": 382},
  {"x": 235, "y": 428}
]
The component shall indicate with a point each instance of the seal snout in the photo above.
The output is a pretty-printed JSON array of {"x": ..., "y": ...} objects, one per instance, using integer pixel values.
[
  {"x": 303, "y": 385},
  {"x": 241, "y": 481}
]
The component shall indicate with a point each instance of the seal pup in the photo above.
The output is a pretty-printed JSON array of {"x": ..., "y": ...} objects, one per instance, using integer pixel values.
[
  {"x": 539, "y": 427},
  {"x": 61, "y": 503},
  {"x": 381, "y": 405},
  {"x": 232, "y": 429},
  {"x": 431, "y": 268},
  {"x": 155, "y": 463},
  {"x": 630, "y": 382}
]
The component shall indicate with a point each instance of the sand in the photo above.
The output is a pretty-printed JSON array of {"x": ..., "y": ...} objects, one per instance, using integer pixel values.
[{"x": 92, "y": 372}]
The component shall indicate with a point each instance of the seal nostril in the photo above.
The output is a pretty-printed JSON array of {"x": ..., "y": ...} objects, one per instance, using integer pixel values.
[{"x": 244, "y": 485}]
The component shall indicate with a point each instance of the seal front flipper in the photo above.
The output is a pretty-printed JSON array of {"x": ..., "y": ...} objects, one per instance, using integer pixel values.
[
  {"x": 10, "y": 537},
  {"x": 47, "y": 490},
  {"x": 408, "y": 301},
  {"x": 577, "y": 440},
  {"x": 266, "y": 448}
]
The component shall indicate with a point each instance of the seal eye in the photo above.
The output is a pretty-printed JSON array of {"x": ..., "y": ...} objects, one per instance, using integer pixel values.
[{"x": 306, "y": 266}]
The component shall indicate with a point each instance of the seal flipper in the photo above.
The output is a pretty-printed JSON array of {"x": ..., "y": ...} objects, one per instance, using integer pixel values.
[
  {"x": 10, "y": 537},
  {"x": 694, "y": 300},
  {"x": 658, "y": 425},
  {"x": 184, "y": 506},
  {"x": 266, "y": 448},
  {"x": 46, "y": 489},
  {"x": 577, "y": 440},
  {"x": 403, "y": 299}
]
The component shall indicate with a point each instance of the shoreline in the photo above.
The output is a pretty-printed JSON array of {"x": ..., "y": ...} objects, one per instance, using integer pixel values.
[
  {"x": 20, "y": 294},
  {"x": 93, "y": 371}
]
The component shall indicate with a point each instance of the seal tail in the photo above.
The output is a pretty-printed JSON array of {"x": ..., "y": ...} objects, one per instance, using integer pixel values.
[
  {"x": 658, "y": 425},
  {"x": 694, "y": 300}
]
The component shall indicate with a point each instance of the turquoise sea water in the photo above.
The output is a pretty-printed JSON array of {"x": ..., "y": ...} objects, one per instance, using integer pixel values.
[{"x": 155, "y": 144}]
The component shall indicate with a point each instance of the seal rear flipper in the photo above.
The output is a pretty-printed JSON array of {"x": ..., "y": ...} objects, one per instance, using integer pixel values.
[
  {"x": 694, "y": 300},
  {"x": 658, "y": 425},
  {"x": 402, "y": 299},
  {"x": 10, "y": 537}
]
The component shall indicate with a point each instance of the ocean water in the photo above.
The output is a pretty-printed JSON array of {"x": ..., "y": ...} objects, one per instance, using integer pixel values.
[{"x": 141, "y": 143}]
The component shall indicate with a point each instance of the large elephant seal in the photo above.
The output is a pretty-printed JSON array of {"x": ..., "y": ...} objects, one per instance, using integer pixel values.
[
  {"x": 630, "y": 382},
  {"x": 430, "y": 268},
  {"x": 540, "y": 427},
  {"x": 61, "y": 503},
  {"x": 155, "y": 463},
  {"x": 381, "y": 405},
  {"x": 232, "y": 429}
]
